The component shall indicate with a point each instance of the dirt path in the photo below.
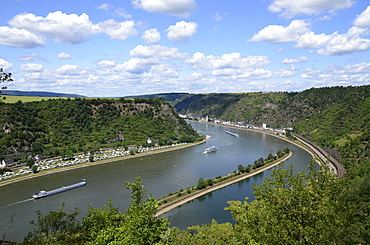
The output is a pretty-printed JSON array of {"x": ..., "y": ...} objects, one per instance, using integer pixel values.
[{"x": 168, "y": 206}]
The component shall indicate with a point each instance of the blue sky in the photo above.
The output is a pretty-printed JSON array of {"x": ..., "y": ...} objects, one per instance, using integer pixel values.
[{"x": 113, "y": 48}]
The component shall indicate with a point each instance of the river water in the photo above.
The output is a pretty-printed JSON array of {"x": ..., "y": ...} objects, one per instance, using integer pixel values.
[{"x": 161, "y": 174}]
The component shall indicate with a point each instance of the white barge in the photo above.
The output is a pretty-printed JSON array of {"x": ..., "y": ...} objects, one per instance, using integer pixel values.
[
  {"x": 41, "y": 194},
  {"x": 231, "y": 133}
]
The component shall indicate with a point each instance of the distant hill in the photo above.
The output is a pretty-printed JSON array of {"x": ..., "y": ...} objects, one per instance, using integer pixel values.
[
  {"x": 169, "y": 97},
  {"x": 38, "y": 93}
]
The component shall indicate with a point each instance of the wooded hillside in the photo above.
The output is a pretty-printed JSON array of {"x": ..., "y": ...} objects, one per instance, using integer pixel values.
[
  {"x": 336, "y": 118},
  {"x": 63, "y": 127}
]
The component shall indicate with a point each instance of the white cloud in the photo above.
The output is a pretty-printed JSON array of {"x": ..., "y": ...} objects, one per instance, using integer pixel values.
[
  {"x": 19, "y": 38},
  {"x": 363, "y": 20},
  {"x": 298, "y": 60},
  {"x": 121, "y": 12},
  {"x": 182, "y": 8},
  {"x": 291, "y": 8},
  {"x": 72, "y": 70},
  {"x": 258, "y": 73},
  {"x": 232, "y": 60},
  {"x": 118, "y": 30},
  {"x": 282, "y": 73},
  {"x": 157, "y": 51},
  {"x": 220, "y": 17},
  {"x": 107, "y": 63},
  {"x": 151, "y": 36},
  {"x": 136, "y": 65},
  {"x": 31, "y": 67},
  {"x": 352, "y": 69},
  {"x": 164, "y": 71},
  {"x": 335, "y": 44},
  {"x": 105, "y": 6},
  {"x": 5, "y": 64},
  {"x": 281, "y": 34},
  {"x": 30, "y": 57},
  {"x": 64, "y": 56},
  {"x": 59, "y": 26},
  {"x": 181, "y": 31}
]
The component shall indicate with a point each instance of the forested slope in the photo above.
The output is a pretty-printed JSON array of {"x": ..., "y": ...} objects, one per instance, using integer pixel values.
[
  {"x": 63, "y": 127},
  {"x": 336, "y": 118}
]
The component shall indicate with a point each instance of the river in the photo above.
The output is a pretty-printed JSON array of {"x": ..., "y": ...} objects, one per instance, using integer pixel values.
[{"x": 161, "y": 173}]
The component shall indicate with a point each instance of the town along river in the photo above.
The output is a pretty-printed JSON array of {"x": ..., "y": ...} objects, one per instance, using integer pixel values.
[{"x": 161, "y": 174}]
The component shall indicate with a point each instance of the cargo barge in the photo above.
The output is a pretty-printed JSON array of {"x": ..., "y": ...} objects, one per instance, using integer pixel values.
[
  {"x": 41, "y": 194},
  {"x": 231, "y": 133}
]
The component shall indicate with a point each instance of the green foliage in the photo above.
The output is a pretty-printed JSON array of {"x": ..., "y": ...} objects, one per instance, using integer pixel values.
[
  {"x": 307, "y": 208},
  {"x": 91, "y": 158},
  {"x": 201, "y": 184},
  {"x": 241, "y": 168},
  {"x": 217, "y": 234},
  {"x": 51, "y": 226},
  {"x": 34, "y": 169}
]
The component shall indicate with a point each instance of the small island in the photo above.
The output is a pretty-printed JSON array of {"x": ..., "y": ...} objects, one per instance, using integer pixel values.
[{"x": 207, "y": 185}]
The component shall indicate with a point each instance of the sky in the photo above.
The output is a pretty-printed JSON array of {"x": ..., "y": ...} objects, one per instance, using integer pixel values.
[{"x": 116, "y": 48}]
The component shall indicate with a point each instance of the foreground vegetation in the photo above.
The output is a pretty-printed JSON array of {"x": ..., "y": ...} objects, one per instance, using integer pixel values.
[{"x": 312, "y": 207}]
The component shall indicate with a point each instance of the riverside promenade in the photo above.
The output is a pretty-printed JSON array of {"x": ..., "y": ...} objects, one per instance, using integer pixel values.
[{"x": 164, "y": 208}]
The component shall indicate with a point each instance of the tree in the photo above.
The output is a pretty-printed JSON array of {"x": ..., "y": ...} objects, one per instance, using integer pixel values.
[
  {"x": 241, "y": 168},
  {"x": 91, "y": 158},
  {"x": 4, "y": 77},
  {"x": 208, "y": 182},
  {"x": 34, "y": 169},
  {"x": 217, "y": 234},
  {"x": 201, "y": 184},
  {"x": 306, "y": 208},
  {"x": 51, "y": 225},
  {"x": 140, "y": 225}
]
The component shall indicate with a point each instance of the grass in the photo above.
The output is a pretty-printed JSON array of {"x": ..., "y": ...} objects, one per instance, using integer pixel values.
[
  {"x": 341, "y": 142},
  {"x": 13, "y": 99}
]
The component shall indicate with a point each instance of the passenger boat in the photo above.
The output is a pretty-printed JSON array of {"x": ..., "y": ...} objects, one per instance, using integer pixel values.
[
  {"x": 41, "y": 194},
  {"x": 210, "y": 149}
]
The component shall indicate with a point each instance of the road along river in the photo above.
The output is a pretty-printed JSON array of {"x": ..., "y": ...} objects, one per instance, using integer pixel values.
[{"x": 161, "y": 173}]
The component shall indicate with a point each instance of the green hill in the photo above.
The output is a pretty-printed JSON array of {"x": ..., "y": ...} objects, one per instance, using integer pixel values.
[{"x": 65, "y": 126}]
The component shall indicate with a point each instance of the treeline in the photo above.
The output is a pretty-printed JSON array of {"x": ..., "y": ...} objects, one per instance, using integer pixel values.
[
  {"x": 263, "y": 161},
  {"x": 203, "y": 183},
  {"x": 311, "y": 207},
  {"x": 65, "y": 126}
]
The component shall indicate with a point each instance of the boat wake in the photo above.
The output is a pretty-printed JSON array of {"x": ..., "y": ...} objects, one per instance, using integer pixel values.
[{"x": 12, "y": 204}]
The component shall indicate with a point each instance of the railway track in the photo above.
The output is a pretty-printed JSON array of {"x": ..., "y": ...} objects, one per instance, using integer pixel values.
[{"x": 333, "y": 164}]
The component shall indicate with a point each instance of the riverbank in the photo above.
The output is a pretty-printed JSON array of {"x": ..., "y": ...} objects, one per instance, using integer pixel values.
[
  {"x": 88, "y": 164},
  {"x": 164, "y": 208},
  {"x": 299, "y": 144}
]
